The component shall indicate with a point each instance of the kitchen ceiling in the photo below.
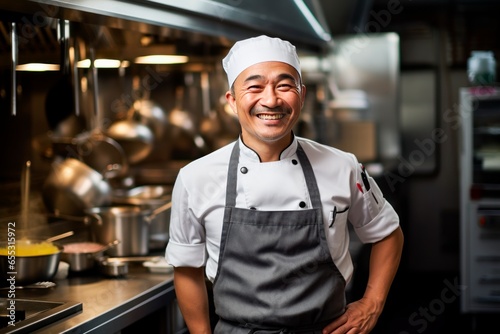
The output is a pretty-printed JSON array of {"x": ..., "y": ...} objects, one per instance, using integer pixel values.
[
  {"x": 41, "y": 43},
  {"x": 198, "y": 28},
  {"x": 467, "y": 24},
  {"x": 202, "y": 29}
]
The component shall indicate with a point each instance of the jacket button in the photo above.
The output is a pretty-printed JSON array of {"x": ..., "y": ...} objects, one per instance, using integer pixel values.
[
  {"x": 294, "y": 162},
  {"x": 302, "y": 204},
  {"x": 244, "y": 170}
]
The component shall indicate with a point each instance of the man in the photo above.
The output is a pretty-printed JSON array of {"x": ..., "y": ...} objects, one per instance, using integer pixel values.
[{"x": 265, "y": 218}]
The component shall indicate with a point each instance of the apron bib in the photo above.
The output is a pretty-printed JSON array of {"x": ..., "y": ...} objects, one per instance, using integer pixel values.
[{"x": 275, "y": 272}]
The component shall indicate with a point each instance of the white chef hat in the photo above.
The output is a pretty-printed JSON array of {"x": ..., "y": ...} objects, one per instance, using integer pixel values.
[{"x": 256, "y": 50}]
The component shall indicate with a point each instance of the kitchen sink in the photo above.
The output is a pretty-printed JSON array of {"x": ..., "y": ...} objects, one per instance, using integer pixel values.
[{"x": 30, "y": 314}]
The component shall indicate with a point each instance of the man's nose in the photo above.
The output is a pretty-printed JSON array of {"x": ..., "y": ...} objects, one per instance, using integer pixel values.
[{"x": 269, "y": 97}]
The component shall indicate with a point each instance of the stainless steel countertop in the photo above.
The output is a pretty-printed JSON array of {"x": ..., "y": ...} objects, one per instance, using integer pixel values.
[{"x": 109, "y": 304}]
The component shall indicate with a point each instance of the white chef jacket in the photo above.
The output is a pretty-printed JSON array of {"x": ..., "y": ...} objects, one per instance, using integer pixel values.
[{"x": 199, "y": 195}]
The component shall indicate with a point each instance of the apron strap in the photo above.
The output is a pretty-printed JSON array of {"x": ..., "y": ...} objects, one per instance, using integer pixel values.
[
  {"x": 312, "y": 185},
  {"x": 232, "y": 176}
]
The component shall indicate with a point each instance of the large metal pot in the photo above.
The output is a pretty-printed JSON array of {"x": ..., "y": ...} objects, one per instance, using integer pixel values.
[
  {"x": 129, "y": 224},
  {"x": 28, "y": 261},
  {"x": 72, "y": 187},
  {"x": 153, "y": 196}
]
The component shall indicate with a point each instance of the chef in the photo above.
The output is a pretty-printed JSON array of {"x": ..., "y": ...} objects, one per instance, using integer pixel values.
[{"x": 265, "y": 218}]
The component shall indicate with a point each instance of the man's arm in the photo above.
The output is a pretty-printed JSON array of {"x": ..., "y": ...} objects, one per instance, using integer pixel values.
[
  {"x": 364, "y": 313},
  {"x": 192, "y": 297}
]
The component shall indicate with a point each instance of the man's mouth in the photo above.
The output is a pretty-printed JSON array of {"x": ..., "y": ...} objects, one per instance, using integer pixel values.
[{"x": 270, "y": 116}]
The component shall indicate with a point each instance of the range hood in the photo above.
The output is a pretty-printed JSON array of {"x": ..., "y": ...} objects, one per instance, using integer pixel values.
[{"x": 299, "y": 21}]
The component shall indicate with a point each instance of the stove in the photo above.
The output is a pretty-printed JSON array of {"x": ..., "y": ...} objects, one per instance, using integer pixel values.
[{"x": 27, "y": 315}]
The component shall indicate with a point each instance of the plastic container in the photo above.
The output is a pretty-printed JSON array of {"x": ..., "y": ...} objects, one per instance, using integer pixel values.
[{"x": 481, "y": 68}]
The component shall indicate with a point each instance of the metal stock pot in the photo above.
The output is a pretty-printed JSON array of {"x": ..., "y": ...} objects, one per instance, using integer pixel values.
[
  {"x": 128, "y": 223},
  {"x": 153, "y": 196}
]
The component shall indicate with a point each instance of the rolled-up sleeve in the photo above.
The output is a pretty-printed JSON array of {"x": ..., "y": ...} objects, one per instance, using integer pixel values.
[
  {"x": 183, "y": 255},
  {"x": 379, "y": 227},
  {"x": 186, "y": 246}
]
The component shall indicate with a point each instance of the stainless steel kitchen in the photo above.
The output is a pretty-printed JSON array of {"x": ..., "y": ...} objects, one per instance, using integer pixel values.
[{"x": 103, "y": 102}]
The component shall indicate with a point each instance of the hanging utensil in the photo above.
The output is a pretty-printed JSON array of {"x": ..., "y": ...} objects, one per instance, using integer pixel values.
[
  {"x": 210, "y": 124},
  {"x": 60, "y": 102},
  {"x": 14, "y": 46},
  {"x": 145, "y": 111},
  {"x": 183, "y": 119},
  {"x": 149, "y": 113},
  {"x": 179, "y": 116},
  {"x": 97, "y": 116},
  {"x": 136, "y": 139},
  {"x": 25, "y": 195},
  {"x": 100, "y": 152},
  {"x": 63, "y": 191}
]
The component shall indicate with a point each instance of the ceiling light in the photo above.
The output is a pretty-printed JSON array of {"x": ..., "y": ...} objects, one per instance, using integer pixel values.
[
  {"x": 103, "y": 63},
  {"x": 37, "y": 67},
  {"x": 312, "y": 20},
  {"x": 161, "y": 59}
]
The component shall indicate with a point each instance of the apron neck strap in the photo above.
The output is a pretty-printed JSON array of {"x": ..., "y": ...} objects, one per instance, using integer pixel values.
[
  {"x": 312, "y": 186},
  {"x": 232, "y": 176}
]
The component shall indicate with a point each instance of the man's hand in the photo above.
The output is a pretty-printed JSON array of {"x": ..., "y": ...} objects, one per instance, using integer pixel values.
[{"x": 360, "y": 317}]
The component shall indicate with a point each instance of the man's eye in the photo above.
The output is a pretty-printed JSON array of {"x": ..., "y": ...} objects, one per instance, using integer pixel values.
[{"x": 285, "y": 86}]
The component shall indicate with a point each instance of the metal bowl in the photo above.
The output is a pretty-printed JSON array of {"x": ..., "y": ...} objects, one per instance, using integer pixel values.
[
  {"x": 114, "y": 268},
  {"x": 23, "y": 270}
]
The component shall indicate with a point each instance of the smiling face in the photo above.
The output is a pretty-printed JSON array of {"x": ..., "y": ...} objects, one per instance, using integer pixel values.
[{"x": 267, "y": 98}]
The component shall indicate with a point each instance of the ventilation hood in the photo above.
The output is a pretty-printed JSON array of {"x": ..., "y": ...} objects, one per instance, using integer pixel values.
[{"x": 299, "y": 21}]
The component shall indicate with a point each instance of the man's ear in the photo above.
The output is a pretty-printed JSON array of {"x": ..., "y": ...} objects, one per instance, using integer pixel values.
[
  {"x": 232, "y": 101},
  {"x": 303, "y": 95}
]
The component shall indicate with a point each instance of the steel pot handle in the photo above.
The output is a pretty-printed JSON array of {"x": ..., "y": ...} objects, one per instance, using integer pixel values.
[
  {"x": 85, "y": 220},
  {"x": 108, "y": 246},
  {"x": 111, "y": 171},
  {"x": 158, "y": 210}
]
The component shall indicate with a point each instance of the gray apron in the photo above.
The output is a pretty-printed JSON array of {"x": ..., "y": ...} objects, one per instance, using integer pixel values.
[{"x": 275, "y": 272}]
